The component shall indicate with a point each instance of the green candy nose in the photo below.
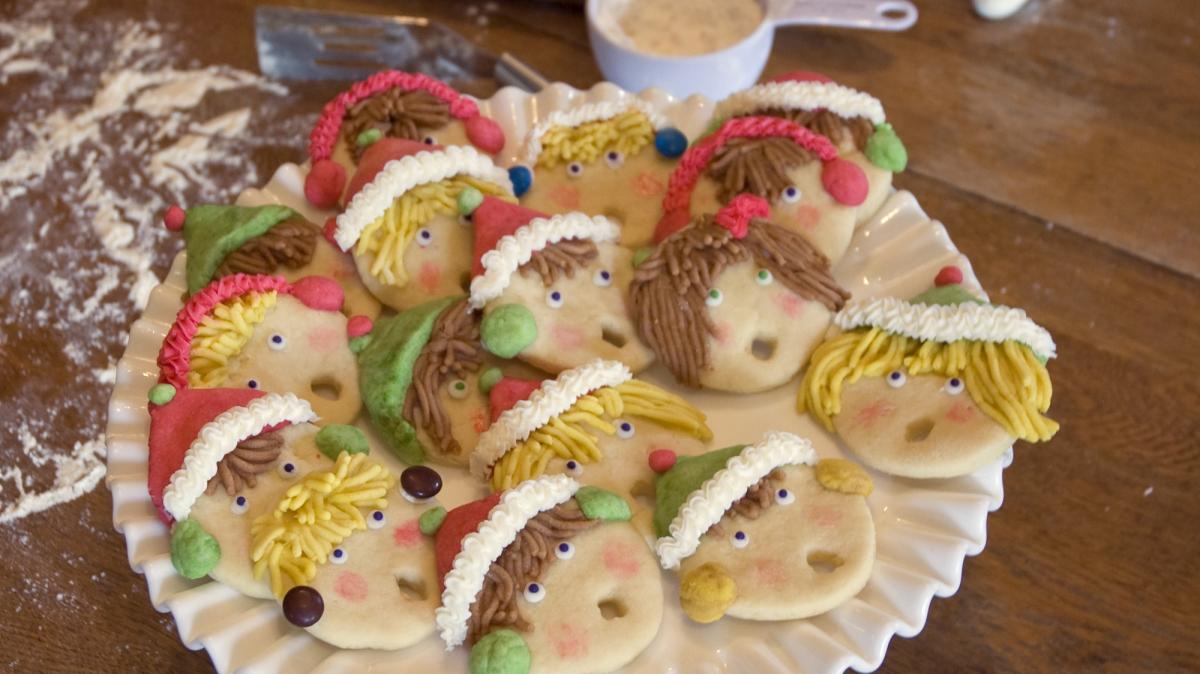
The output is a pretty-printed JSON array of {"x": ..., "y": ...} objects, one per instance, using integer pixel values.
[
  {"x": 508, "y": 329},
  {"x": 502, "y": 651}
]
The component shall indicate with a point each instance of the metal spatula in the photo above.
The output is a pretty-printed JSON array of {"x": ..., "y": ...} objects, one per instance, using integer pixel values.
[{"x": 301, "y": 44}]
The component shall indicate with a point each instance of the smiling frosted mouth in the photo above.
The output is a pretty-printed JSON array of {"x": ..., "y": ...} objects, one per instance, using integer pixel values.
[
  {"x": 613, "y": 336},
  {"x": 918, "y": 430}
]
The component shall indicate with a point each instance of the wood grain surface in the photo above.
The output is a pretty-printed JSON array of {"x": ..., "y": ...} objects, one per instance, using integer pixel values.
[{"x": 1061, "y": 149}]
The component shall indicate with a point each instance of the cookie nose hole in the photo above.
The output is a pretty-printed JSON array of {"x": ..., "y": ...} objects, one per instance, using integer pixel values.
[
  {"x": 643, "y": 492},
  {"x": 611, "y": 609},
  {"x": 824, "y": 562},
  {"x": 918, "y": 430},
  {"x": 612, "y": 336},
  {"x": 464, "y": 281},
  {"x": 615, "y": 214},
  {"x": 412, "y": 588},
  {"x": 763, "y": 348},
  {"x": 326, "y": 387}
]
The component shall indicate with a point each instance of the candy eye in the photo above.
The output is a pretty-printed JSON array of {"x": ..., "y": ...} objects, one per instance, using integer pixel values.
[
  {"x": 424, "y": 237},
  {"x": 953, "y": 386},
  {"x": 287, "y": 469},
  {"x": 338, "y": 556},
  {"x": 457, "y": 389},
  {"x": 602, "y": 278},
  {"x": 574, "y": 467},
  {"x": 534, "y": 593},
  {"x": 784, "y": 497},
  {"x": 574, "y": 169},
  {"x": 764, "y": 277},
  {"x": 429, "y": 140},
  {"x": 714, "y": 298},
  {"x": 238, "y": 505},
  {"x": 376, "y": 520},
  {"x": 624, "y": 429},
  {"x": 739, "y": 540},
  {"x": 790, "y": 195},
  {"x": 896, "y": 379},
  {"x": 614, "y": 159},
  {"x": 277, "y": 342},
  {"x": 252, "y": 383},
  {"x": 564, "y": 550},
  {"x": 554, "y": 299}
]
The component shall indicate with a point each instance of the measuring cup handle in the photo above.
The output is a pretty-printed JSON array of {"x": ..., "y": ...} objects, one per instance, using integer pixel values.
[{"x": 870, "y": 14}]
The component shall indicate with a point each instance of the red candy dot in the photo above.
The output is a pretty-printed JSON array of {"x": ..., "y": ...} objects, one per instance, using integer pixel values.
[
  {"x": 174, "y": 217},
  {"x": 323, "y": 184},
  {"x": 845, "y": 182},
  {"x": 485, "y": 134},
  {"x": 358, "y": 326},
  {"x": 661, "y": 460},
  {"x": 948, "y": 275},
  {"x": 329, "y": 231}
]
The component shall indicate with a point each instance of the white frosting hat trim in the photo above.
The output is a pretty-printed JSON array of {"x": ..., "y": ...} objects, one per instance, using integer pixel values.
[
  {"x": 220, "y": 437},
  {"x": 947, "y": 322},
  {"x": 483, "y": 546},
  {"x": 401, "y": 175},
  {"x": 514, "y": 250},
  {"x": 582, "y": 115},
  {"x": 708, "y": 504},
  {"x": 838, "y": 99},
  {"x": 550, "y": 400}
]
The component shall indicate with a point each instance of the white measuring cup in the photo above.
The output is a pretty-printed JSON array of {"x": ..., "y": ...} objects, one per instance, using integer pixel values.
[{"x": 720, "y": 73}]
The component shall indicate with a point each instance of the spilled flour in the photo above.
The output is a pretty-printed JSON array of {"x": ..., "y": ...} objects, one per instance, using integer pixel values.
[{"x": 105, "y": 126}]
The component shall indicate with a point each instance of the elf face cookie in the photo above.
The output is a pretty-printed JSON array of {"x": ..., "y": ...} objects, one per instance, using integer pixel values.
[
  {"x": 765, "y": 532},
  {"x": 390, "y": 104},
  {"x": 810, "y": 190},
  {"x": 934, "y": 387},
  {"x": 552, "y": 288},
  {"x": 546, "y": 577},
  {"x": 734, "y": 302},
  {"x": 264, "y": 333},
  {"x": 853, "y": 120},
  {"x": 405, "y": 221},
  {"x": 609, "y": 159},
  {"x": 226, "y": 240}
]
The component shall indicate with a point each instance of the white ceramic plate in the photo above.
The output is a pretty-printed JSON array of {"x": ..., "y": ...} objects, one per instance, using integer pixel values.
[{"x": 924, "y": 528}]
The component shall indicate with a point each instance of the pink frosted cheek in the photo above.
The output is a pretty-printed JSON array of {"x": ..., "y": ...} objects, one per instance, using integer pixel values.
[
  {"x": 647, "y": 185},
  {"x": 430, "y": 276},
  {"x": 350, "y": 586},
  {"x": 790, "y": 304},
  {"x": 771, "y": 572},
  {"x": 407, "y": 535},
  {"x": 803, "y": 216},
  {"x": 567, "y": 337},
  {"x": 823, "y": 516},
  {"x": 724, "y": 334},
  {"x": 565, "y": 196},
  {"x": 570, "y": 641},
  {"x": 874, "y": 412},
  {"x": 480, "y": 421},
  {"x": 961, "y": 412},
  {"x": 324, "y": 340},
  {"x": 621, "y": 560}
]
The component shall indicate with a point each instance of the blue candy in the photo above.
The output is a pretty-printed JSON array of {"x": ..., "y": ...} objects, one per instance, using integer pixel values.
[
  {"x": 521, "y": 178},
  {"x": 670, "y": 142}
]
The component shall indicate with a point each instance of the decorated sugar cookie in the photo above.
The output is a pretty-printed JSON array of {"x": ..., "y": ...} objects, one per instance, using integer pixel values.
[
  {"x": 546, "y": 578},
  {"x": 265, "y": 333},
  {"x": 810, "y": 189},
  {"x": 406, "y": 222},
  {"x": 852, "y": 119},
  {"x": 223, "y": 240},
  {"x": 734, "y": 302},
  {"x": 609, "y": 158},
  {"x": 765, "y": 531},
  {"x": 390, "y": 104},
  {"x": 936, "y": 386},
  {"x": 552, "y": 288},
  {"x": 594, "y": 422}
]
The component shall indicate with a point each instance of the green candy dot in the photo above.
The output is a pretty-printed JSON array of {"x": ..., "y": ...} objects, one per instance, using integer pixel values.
[
  {"x": 431, "y": 520},
  {"x": 500, "y": 652},
  {"x": 468, "y": 200},
  {"x": 885, "y": 150},
  {"x": 642, "y": 254},
  {"x": 368, "y": 137},
  {"x": 194, "y": 552},
  {"x": 337, "y": 438},
  {"x": 489, "y": 378},
  {"x": 162, "y": 394},
  {"x": 603, "y": 505},
  {"x": 508, "y": 329}
]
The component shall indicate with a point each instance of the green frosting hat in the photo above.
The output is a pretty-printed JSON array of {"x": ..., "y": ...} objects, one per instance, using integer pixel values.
[
  {"x": 212, "y": 232},
  {"x": 673, "y": 487}
]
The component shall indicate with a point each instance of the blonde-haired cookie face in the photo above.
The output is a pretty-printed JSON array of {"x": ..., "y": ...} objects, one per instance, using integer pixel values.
[
  {"x": 806, "y": 553},
  {"x": 437, "y": 263},
  {"x": 922, "y": 426}
]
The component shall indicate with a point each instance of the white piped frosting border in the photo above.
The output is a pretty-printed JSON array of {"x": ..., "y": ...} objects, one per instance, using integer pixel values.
[
  {"x": 839, "y": 99},
  {"x": 483, "y": 546},
  {"x": 401, "y": 175},
  {"x": 514, "y": 250},
  {"x": 708, "y": 504},
  {"x": 583, "y": 114},
  {"x": 947, "y": 322},
  {"x": 220, "y": 437},
  {"x": 553, "y": 398}
]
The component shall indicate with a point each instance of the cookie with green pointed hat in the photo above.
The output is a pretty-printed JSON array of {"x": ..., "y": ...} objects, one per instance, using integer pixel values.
[
  {"x": 932, "y": 387},
  {"x": 764, "y": 531}
]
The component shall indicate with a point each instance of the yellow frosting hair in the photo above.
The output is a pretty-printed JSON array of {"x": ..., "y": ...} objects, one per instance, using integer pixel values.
[
  {"x": 221, "y": 335},
  {"x": 572, "y": 434},
  {"x": 1006, "y": 380},
  {"x": 627, "y": 133}
]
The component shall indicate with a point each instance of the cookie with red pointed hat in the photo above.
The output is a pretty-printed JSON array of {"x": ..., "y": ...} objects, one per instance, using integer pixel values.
[
  {"x": 810, "y": 189},
  {"x": 548, "y": 577},
  {"x": 221, "y": 240},
  {"x": 609, "y": 158},
  {"x": 853, "y": 120},
  {"x": 764, "y": 531},
  {"x": 390, "y": 104},
  {"x": 266, "y": 333},
  {"x": 734, "y": 301},
  {"x": 407, "y": 222},
  {"x": 552, "y": 288}
]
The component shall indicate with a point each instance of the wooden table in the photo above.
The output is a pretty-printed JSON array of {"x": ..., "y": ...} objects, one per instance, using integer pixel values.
[{"x": 1061, "y": 149}]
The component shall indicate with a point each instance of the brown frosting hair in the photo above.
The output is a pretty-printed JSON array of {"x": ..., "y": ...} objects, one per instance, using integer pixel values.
[
  {"x": 560, "y": 259},
  {"x": 290, "y": 244},
  {"x": 829, "y": 124},
  {"x": 453, "y": 350},
  {"x": 240, "y": 468},
  {"x": 755, "y": 166},
  {"x": 758, "y": 498},
  {"x": 669, "y": 289},
  {"x": 396, "y": 112}
]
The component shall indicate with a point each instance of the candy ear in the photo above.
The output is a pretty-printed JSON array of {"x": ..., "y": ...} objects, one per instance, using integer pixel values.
[
  {"x": 431, "y": 520},
  {"x": 468, "y": 200},
  {"x": 337, "y": 438},
  {"x": 706, "y": 592},
  {"x": 320, "y": 293},
  {"x": 885, "y": 149},
  {"x": 670, "y": 142},
  {"x": 368, "y": 138},
  {"x": 324, "y": 182},
  {"x": 662, "y": 460},
  {"x": 161, "y": 394},
  {"x": 843, "y": 476},
  {"x": 521, "y": 178},
  {"x": 194, "y": 552},
  {"x": 603, "y": 505},
  {"x": 508, "y": 329},
  {"x": 501, "y": 651},
  {"x": 844, "y": 181},
  {"x": 174, "y": 217},
  {"x": 485, "y": 134}
]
